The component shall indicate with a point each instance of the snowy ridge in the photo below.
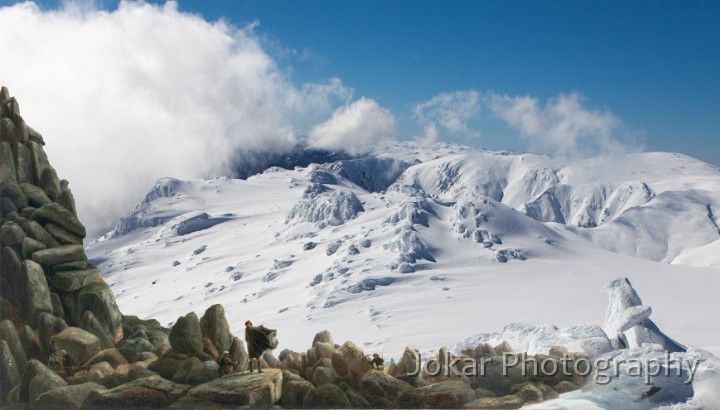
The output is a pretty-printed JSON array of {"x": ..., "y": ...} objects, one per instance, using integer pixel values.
[{"x": 450, "y": 241}]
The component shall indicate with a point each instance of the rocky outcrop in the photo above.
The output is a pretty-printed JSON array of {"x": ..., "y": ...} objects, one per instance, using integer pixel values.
[
  {"x": 44, "y": 267},
  {"x": 68, "y": 397},
  {"x": 243, "y": 389}
]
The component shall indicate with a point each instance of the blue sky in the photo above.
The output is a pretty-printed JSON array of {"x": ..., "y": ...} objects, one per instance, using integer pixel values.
[{"x": 655, "y": 65}]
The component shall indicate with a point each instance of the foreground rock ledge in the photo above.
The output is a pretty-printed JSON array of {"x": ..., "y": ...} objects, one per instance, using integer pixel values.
[{"x": 242, "y": 389}]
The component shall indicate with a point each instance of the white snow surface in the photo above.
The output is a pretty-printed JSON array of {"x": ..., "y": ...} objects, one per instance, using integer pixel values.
[{"x": 462, "y": 243}]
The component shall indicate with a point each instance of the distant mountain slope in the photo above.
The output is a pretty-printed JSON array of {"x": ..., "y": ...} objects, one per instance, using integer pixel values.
[{"x": 460, "y": 239}]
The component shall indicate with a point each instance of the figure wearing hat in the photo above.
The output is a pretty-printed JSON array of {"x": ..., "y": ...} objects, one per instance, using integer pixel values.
[
  {"x": 377, "y": 362},
  {"x": 227, "y": 364}
]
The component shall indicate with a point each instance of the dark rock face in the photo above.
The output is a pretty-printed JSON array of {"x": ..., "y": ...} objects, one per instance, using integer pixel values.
[
  {"x": 69, "y": 397},
  {"x": 33, "y": 292},
  {"x": 14, "y": 344},
  {"x": 9, "y": 374},
  {"x": 294, "y": 391},
  {"x": 186, "y": 335},
  {"x": 80, "y": 345},
  {"x": 214, "y": 326},
  {"x": 152, "y": 391},
  {"x": 327, "y": 396},
  {"x": 238, "y": 352},
  {"x": 323, "y": 337},
  {"x": 381, "y": 389},
  {"x": 243, "y": 389},
  {"x": 98, "y": 298},
  {"x": 37, "y": 380},
  {"x": 91, "y": 325},
  {"x": 111, "y": 356}
]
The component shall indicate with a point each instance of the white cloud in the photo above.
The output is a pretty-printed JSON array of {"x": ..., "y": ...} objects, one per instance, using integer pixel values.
[
  {"x": 355, "y": 127},
  {"x": 563, "y": 126},
  {"x": 129, "y": 96},
  {"x": 449, "y": 111}
]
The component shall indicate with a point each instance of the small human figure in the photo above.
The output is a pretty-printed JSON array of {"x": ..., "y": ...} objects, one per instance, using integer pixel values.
[
  {"x": 259, "y": 339},
  {"x": 56, "y": 356},
  {"x": 377, "y": 362},
  {"x": 227, "y": 364}
]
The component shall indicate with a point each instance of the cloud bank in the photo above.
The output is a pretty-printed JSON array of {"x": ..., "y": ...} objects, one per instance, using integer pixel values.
[
  {"x": 354, "y": 128},
  {"x": 563, "y": 126},
  {"x": 128, "y": 96},
  {"x": 448, "y": 113}
]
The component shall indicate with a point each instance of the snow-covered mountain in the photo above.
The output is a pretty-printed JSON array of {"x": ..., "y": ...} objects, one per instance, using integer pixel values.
[{"x": 425, "y": 246}]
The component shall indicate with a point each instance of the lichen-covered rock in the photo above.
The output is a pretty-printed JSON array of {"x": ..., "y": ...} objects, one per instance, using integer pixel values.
[
  {"x": 15, "y": 194},
  {"x": 23, "y": 163},
  {"x": 357, "y": 401},
  {"x": 10, "y": 265},
  {"x": 54, "y": 213},
  {"x": 238, "y": 352},
  {"x": 58, "y": 255},
  {"x": 409, "y": 362},
  {"x": 111, "y": 356},
  {"x": 37, "y": 380},
  {"x": 324, "y": 375},
  {"x": 11, "y": 234},
  {"x": 11, "y": 337},
  {"x": 214, "y": 326},
  {"x": 30, "y": 342},
  {"x": 80, "y": 345},
  {"x": 166, "y": 366},
  {"x": 74, "y": 265},
  {"x": 344, "y": 358},
  {"x": 240, "y": 389},
  {"x": 30, "y": 246},
  {"x": 202, "y": 373},
  {"x": 294, "y": 391},
  {"x": 7, "y": 164},
  {"x": 50, "y": 183},
  {"x": 98, "y": 299},
  {"x": 63, "y": 236},
  {"x": 36, "y": 197},
  {"x": 505, "y": 402},
  {"x": 68, "y": 397},
  {"x": 70, "y": 281},
  {"x": 327, "y": 396},
  {"x": 447, "y": 394},
  {"x": 89, "y": 323},
  {"x": 323, "y": 350},
  {"x": 323, "y": 337},
  {"x": 565, "y": 386},
  {"x": 9, "y": 372},
  {"x": 48, "y": 326},
  {"x": 381, "y": 389},
  {"x": 139, "y": 372},
  {"x": 32, "y": 292},
  {"x": 41, "y": 235},
  {"x": 186, "y": 335},
  {"x": 67, "y": 200},
  {"x": 132, "y": 347},
  {"x": 152, "y": 391}
]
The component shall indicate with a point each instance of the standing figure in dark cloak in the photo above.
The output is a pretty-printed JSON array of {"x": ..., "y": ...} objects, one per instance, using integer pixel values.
[{"x": 259, "y": 339}]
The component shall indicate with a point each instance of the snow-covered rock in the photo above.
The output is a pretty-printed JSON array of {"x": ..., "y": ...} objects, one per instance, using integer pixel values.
[
  {"x": 334, "y": 208},
  {"x": 627, "y": 321}
]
